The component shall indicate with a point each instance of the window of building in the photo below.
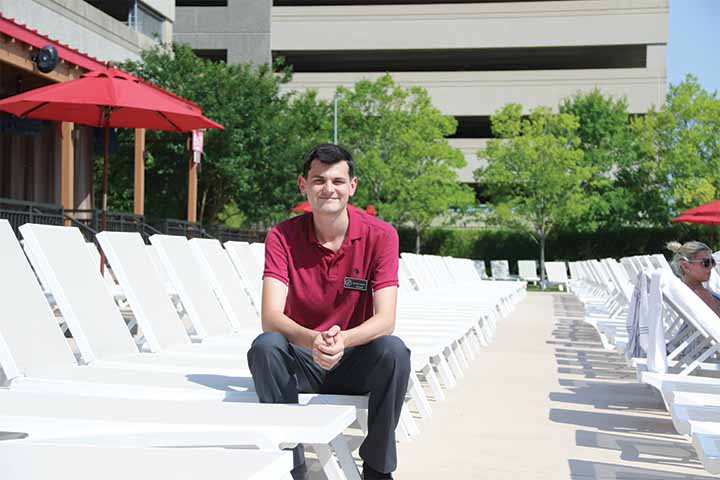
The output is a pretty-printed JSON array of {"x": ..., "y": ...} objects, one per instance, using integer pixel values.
[
  {"x": 118, "y": 9},
  {"x": 201, "y": 3},
  {"x": 146, "y": 21},
  {"x": 213, "y": 55},
  {"x": 317, "y": 3},
  {"x": 474, "y": 60},
  {"x": 134, "y": 14},
  {"x": 473, "y": 127}
]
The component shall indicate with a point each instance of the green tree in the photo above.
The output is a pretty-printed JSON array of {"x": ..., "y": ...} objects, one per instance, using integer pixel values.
[
  {"x": 407, "y": 169},
  {"x": 249, "y": 169},
  {"x": 534, "y": 171},
  {"x": 678, "y": 149},
  {"x": 606, "y": 140}
]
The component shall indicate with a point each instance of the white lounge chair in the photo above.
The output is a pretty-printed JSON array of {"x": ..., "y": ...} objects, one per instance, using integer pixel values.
[
  {"x": 22, "y": 460},
  {"x": 527, "y": 270}
]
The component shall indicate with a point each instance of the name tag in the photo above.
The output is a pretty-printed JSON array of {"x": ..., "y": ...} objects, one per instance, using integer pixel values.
[{"x": 355, "y": 284}]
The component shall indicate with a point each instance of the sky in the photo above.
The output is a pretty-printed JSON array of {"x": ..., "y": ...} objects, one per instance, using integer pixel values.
[{"x": 694, "y": 43}]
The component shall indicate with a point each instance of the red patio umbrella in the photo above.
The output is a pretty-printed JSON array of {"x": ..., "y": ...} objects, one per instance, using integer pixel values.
[
  {"x": 710, "y": 208},
  {"x": 705, "y": 214},
  {"x": 704, "y": 219},
  {"x": 109, "y": 98},
  {"x": 305, "y": 206}
]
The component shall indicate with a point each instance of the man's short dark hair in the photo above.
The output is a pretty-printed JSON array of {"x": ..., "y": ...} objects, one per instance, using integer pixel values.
[{"x": 328, "y": 153}]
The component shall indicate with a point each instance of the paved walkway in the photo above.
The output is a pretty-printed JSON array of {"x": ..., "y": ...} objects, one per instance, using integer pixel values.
[{"x": 545, "y": 401}]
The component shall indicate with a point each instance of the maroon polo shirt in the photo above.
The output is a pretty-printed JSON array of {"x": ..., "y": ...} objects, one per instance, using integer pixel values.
[{"x": 318, "y": 297}]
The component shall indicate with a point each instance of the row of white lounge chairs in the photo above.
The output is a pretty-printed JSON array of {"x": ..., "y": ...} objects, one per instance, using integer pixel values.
[
  {"x": 640, "y": 308},
  {"x": 528, "y": 271},
  {"x": 98, "y": 368}
]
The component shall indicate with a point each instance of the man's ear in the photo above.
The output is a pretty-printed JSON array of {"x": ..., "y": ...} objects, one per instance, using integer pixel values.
[
  {"x": 353, "y": 185},
  {"x": 301, "y": 184}
]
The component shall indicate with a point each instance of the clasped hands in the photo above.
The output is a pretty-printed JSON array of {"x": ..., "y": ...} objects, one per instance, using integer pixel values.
[{"x": 328, "y": 347}]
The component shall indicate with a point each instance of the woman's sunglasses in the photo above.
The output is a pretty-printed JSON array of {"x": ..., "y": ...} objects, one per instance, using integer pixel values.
[{"x": 706, "y": 262}]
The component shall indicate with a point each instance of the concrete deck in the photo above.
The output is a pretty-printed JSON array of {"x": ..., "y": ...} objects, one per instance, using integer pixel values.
[{"x": 545, "y": 401}]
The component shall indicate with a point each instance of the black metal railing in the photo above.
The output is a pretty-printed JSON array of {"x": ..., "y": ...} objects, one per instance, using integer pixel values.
[
  {"x": 89, "y": 222},
  {"x": 224, "y": 233},
  {"x": 171, "y": 226},
  {"x": 116, "y": 221},
  {"x": 19, "y": 212}
]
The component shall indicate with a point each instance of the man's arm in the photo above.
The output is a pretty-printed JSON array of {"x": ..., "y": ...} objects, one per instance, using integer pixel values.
[
  {"x": 380, "y": 324},
  {"x": 274, "y": 319}
]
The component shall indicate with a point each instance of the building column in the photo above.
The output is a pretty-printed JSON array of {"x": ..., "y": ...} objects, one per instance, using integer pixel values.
[
  {"x": 67, "y": 167},
  {"x": 139, "y": 188}
]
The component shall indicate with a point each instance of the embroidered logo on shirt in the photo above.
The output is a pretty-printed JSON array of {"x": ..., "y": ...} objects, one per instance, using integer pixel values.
[{"x": 355, "y": 284}]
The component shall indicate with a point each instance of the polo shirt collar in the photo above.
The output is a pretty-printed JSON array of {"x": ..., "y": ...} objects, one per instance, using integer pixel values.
[{"x": 354, "y": 231}]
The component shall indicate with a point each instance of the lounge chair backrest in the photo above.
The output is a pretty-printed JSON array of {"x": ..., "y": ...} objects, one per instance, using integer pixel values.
[
  {"x": 630, "y": 268},
  {"x": 407, "y": 283},
  {"x": 30, "y": 337},
  {"x": 556, "y": 272},
  {"x": 640, "y": 263},
  {"x": 193, "y": 286},
  {"x": 659, "y": 261},
  {"x": 457, "y": 271},
  {"x": 247, "y": 267},
  {"x": 107, "y": 274},
  {"x": 500, "y": 269},
  {"x": 79, "y": 290},
  {"x": 527, "y": 270},
  {"x": 440, "y": 272},
  {"x": 258, "y": 251},
  {"x": 689, "y": 306},
  {"x": 143, "y": 286},
  {"x": 228, "y": 286}
]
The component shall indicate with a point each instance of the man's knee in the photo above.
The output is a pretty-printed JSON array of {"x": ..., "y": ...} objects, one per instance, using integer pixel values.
[
  {"x": 393, "y": 353},
  {"x": 267, "y": 344}
]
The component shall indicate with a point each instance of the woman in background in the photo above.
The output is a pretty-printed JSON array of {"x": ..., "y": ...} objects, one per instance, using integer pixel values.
[{"x": 693, "y": 262}]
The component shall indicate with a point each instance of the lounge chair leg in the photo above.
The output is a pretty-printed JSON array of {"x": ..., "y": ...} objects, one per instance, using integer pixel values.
[
  {"x": 474, "y": 338},
  {"x": 454, "y": 364},
  {"x": 462, "y": 358},
  {"x": 345, "y": 458},
  {"x": 330, "y": 466},
  {"x": 434, "y": 382},
  {"x": 480, "y": 336},
  {"x": 409, "y": 421},
  {"x": 445, "y": 373},
  {"x": 418, "y": 396},
  {"x": 468, "y": 350},
  {"x": 401, "y": 431},
  {"x": 361, "y": 417}
]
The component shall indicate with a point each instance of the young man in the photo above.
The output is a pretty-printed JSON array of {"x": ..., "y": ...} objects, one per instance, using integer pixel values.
[{"x": 328, "y": 309}]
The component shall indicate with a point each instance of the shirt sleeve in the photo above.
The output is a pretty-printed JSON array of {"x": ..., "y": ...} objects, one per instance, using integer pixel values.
[
  {"x": 276, "y": 257},
  {"x": 386, "y": 262}
]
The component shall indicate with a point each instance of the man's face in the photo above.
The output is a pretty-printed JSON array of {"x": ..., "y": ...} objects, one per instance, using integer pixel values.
[{"x": 328, "y": 186}]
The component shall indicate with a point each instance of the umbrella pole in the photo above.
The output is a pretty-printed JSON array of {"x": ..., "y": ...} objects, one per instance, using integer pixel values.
[
  {"x": 103, "y": 224},
  {"x": 103, "y": 218}
]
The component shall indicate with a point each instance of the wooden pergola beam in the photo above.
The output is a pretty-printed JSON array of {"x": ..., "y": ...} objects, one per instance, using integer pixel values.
[{"x": 19, "y": 55}]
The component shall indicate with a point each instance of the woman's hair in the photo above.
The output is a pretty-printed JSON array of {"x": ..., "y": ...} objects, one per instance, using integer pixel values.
[{"x": 685, "y": 251}]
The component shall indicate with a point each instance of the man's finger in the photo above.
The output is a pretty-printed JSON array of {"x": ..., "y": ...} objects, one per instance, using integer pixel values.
[{"x": 328, "y": 349}]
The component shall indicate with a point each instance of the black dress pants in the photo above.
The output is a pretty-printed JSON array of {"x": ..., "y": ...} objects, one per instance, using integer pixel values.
[{"x": 380, "y": 368}]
